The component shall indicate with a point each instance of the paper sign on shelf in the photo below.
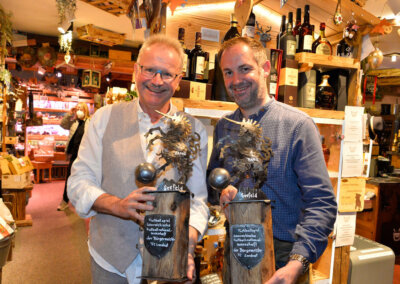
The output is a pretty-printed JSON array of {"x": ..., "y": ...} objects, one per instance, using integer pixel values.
[
  {"x": 352, "y": 159},
  {"x": 345, "y": 229},
  {"x": 354, "y": 118},
  {"x": 351, "y": 197}
]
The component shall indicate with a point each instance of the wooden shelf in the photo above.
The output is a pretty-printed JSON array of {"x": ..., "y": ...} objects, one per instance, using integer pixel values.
[
  {"x": 211, "y": 109},
  {"x": 50, "y": 110},
  {"x": 41, "y": 137},
  {"x": 311, "y": 60},
  {"x": 51, "y": 121}
]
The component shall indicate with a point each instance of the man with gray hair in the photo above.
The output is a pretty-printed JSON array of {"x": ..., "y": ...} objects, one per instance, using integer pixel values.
[{"x": 102, "y": 185}]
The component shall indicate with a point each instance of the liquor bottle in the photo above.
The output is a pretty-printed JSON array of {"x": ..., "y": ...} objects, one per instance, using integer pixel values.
[
  {"x": 249, "y": 28},
  {"x": 281, "y": 32},
  {"x": 288, "y": 41},
  {"x": 219, "y": 92},
  {"x": 197, "y": 61},
  {"x": 306, "y": 38},
  {"x": 273, "y": 77},
  {"x": 186, "y": 53},
  {"x": 233, "y": 31},
  {"x": 343, "y": 49},
  {"x": 321, "y": 45},
  {"x": 325, "y": 97},
  {"x": 394, "y": 144},
  {"x": 297, "y": 28}
]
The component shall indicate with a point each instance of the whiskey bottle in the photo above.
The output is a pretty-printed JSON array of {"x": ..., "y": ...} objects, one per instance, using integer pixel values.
[
  {"x": 197, "y": 61},
  {"x": 288, "y": 41},
  {"x": 306, "y": 37},
  {"x": 281, "y": 32},
  {"x": 297, "y": 28},
  {"x": 321, "y": 45},
  {"x": 325, "y": 97},
  {"x": 249, "y": 28},
  {"x": 186, "y": 53}
]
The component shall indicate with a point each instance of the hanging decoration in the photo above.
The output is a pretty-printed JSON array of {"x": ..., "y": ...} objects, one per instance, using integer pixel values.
[
  {"x": 338, "y": 18},
  {"x": 65, "y": 42},
  {"x": 47, "y": 56},
  {"x": 28, "y": 57},
  {"x": 6, "y": 35},
  {"x": 384, "y": 27},
  {"x": 65, "y": 8},
  {"x": 173, "y": 4},
  {"x": 375, "y": 58}
]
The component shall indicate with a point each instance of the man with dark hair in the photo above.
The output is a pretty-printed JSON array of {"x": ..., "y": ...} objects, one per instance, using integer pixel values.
[{"x": 304, "y": 206}]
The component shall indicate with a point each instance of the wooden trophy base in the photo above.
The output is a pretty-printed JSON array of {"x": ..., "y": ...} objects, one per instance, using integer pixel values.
[
  {"x": 166, "y": 237},
  {"x": 251, "y": 242}
]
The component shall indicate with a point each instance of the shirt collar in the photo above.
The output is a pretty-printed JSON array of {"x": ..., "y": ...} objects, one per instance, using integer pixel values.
[
  {"x": 261, "y": 112},
  {"x": 172, "y": 110}
]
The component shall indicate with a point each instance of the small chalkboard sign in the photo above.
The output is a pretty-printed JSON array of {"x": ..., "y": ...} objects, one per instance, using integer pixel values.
[
  {"x": 159, "y": 233},
  {"x": 212, "y": 278},
  {"x": 248, "y": 244},
  {"x": 248, "y": 193}
]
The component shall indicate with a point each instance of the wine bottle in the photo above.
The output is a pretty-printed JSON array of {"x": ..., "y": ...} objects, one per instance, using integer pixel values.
[
  {"x": 306, "y": 38},
  {"x": 297, "y": 28},
  {"x": 233, "y": 31},
  {"x": 197, "y": 61},
  {"x": 219, "y": 92},
  {"x": 273, "y": 77},
  {"x": 281, "y": 32},
  {"x": 186, "y": 53},
  {"x": 288, "y": 41},
  {"x": 249, "y": 28},
  {"x": 325, "y": 97},
  {"x": 321, "y": 45}
]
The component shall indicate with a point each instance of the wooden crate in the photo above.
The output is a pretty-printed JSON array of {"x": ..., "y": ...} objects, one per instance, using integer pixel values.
[
  {"x": 115, "y": 7},
  {"x": 97, "y": 35}
]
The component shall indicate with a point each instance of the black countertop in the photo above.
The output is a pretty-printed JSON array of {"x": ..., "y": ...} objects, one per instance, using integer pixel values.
[{"x": 380, "y": 180}]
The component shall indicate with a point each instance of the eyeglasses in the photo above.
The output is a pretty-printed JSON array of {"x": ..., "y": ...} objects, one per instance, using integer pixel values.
[{"x": 150, "y": 73}]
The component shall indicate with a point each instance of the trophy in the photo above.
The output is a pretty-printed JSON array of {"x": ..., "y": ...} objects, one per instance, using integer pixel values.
[
  {"x": 166, "y": 228},
  {"x": 250, "y": 231}
]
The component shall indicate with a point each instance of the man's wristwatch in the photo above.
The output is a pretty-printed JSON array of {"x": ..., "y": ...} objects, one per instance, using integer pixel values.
[{"x": 304, "y": 261}]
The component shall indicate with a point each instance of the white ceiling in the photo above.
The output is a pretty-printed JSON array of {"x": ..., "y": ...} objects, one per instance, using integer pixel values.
[{"x": 40, "y": 17}]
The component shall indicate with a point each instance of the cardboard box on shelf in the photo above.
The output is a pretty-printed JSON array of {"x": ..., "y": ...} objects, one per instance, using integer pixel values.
[
  {"x": 16, "y": 181},
  {"x": 19, "y": 166}
]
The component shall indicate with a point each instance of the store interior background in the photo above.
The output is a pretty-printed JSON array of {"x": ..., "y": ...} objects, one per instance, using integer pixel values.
[{"x": 34, "y": 18}]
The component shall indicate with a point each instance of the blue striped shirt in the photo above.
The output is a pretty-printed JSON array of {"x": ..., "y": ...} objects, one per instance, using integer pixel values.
[{"x": 303, "y": 203}]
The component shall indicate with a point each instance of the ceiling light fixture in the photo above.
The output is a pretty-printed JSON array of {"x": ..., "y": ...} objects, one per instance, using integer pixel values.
[
  {"x": 108, "y": 77},
  {"x": 261, "y": 10},
  {"x": 58, "y": 73}
]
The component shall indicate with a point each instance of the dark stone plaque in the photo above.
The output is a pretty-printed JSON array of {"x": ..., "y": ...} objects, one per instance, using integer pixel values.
[
  {"x": 248, "y": 244},
  {"x": 159, "y": 234}
]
